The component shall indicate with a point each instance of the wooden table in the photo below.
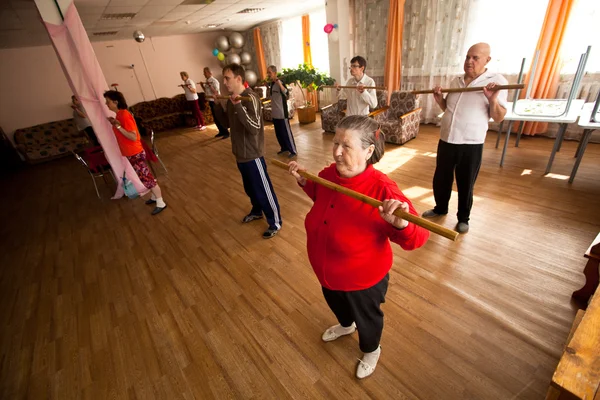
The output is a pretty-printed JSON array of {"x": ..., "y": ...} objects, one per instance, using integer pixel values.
[
  {"x": 563, "y": 121},
  {"x": 589, "y": 126},
  {"x": 591, "y": 273}
]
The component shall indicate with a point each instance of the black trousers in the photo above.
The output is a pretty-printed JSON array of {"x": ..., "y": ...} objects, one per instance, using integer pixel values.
[
  {"x": 464, "y": 160},
  {"x": 92, "y": 136},
  {"x": 217, "y": 117},
  {"x": 283, "y": 132},
  {"x": 362, "y": 307}
]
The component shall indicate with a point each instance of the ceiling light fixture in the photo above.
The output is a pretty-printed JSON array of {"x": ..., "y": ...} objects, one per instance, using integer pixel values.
[
  {"x": 211, "y": 25},
  {"x": 111, "y": 17},
  {"x": 250, "y": 10},
  {"x": 108, "y": 33}
]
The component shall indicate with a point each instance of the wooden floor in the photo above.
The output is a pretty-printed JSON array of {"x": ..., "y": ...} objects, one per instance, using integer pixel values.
[{"x": 100, "y": 300}]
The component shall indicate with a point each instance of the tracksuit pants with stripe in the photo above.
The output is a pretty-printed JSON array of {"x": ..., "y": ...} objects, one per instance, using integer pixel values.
[
  {"x": 283, "y": 131},
  {"x": 258, "y": 187}
]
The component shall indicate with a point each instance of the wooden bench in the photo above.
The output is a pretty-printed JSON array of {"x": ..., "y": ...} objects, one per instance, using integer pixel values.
[
  {"x": 591, "y": 273},
  {"x": 577, "y": 375}
]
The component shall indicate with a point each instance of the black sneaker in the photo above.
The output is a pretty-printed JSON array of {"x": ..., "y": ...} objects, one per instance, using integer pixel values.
[
  {"x": 158, "y": 210},
  {"x": 225, "y": 137},
  {"x": 250, "y": 218},
  {"x": 269, "y": 233},
  {"x": 220, "y": 134},
  {"x": 292, "y": 155},
  {"x": 281, "y": 152},
  {"x": 150, "y": 201}
]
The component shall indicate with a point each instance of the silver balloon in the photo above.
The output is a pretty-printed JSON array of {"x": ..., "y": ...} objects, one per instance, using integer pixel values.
[
  {"x": 246, "y": 57},
  {"x": 139, "y": 36},
  {"x": 237, "y": 40},
  {"x": 233, "y": 59},
  {"x": 251, "y": 77},
  {"x": 222, "y": 43},
  {"x": 223, "y": 62}
]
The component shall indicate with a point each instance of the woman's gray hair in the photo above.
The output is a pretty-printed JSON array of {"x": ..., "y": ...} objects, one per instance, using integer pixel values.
[{"x": 370, "y": 134}]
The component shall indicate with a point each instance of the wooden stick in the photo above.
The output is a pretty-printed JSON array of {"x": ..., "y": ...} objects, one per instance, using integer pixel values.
[
  {"x": 353, "y": 87},
  {"x": 247, "y": 98},
  {"x": 422, "y": 222},
  {"x": 470, "y": 89}
]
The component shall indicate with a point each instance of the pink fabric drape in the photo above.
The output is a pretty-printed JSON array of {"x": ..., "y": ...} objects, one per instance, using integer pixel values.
[{"x": 82, "y": 70}]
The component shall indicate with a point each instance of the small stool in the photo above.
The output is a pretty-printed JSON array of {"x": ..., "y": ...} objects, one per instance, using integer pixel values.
[{"x": 591, "y": 273}]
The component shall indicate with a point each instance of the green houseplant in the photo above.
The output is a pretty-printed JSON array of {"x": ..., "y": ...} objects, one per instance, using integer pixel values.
[{"x": 307, "y": 78}]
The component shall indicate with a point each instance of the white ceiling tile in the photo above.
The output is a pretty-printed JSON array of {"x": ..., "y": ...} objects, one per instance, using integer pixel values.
[
  {"x": 154, "y": 11},
  {"x": 163, "y": 2},
  {"x": 85, "y": 10},
  {"x": 91, "y": 3},
  {"x": 122, "y": 9},
  {"x": 9, "y": 20},
  {"x": 110, "y": 24},
  {"x": 125, "y": 3},
  {"x": 189, "y": 8}
]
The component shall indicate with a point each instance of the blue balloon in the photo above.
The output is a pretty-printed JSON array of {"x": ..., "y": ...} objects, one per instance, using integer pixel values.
[
  {"x": 215, "y": 52},
  {"x": 335, "y": 26}
]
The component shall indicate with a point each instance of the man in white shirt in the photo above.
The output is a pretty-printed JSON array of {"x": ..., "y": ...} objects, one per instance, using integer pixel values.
[
  {"x": 359, "y": 99},
  {"x": 189, "y": 87},
  {"x": 462, "y": 134},
  {"x": 212, "y": 87}
]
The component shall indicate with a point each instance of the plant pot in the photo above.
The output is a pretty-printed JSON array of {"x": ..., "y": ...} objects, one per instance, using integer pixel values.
[{"x": 306, "y": 114}]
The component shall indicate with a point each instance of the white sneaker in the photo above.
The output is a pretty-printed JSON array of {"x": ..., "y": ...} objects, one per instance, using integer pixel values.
[
  {"x": 367, "y": 365},
  {"x": 337, "y": 331},
  {"x": 201, "y": 127}
]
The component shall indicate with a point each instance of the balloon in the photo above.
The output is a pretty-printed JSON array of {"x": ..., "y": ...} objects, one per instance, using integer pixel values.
[
  {"x": 334, "y": 36},
  {"x": 246, "y": 57},
  {"x": 237, "y": 40},
  {"x": 328, "y": 28},
  {"x": 233, "y": 58},
  {"x": 222, "y": 43},
  {"x": 335, "y": 26},
  {"x": 139, "y": 36},
  {"x": 223, "y": 63},
  {"x": 221, "y": 56},
  {"x": 215, "y": 52},
  {"x": 251, "y": 77}
]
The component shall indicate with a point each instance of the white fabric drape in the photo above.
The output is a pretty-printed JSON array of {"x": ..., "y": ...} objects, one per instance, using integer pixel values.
[
  {"x": 432, "y": 47},
  {"x": 370, "y": 34},
  {"x": 271, "y": 37}
]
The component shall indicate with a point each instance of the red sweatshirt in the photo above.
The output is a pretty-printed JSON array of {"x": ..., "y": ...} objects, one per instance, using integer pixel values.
[{"x": 348, "y": 241}]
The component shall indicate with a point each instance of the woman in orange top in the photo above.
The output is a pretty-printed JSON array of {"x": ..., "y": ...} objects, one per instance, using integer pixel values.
[{"x": 128, "y": 138}]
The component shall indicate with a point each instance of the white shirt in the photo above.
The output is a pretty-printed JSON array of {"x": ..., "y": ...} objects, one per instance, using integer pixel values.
[
  {"x": 208, "y": 88},
  {"x": 188, "y": 93},
  {"x": 359, "y": 103},
  {"x": 465, "y": 120}
]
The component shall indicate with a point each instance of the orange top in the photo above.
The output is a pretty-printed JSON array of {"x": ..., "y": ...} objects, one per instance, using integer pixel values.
[{"x": 128, "y": 147}]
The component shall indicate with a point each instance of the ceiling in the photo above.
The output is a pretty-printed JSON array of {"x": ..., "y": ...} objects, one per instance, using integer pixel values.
[{"x": 20, "y": 24}]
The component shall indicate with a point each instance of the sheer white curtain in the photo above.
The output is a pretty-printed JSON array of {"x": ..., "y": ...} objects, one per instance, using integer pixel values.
[
  {"x": 271, "y": 38},
  {"x": 319, "y": 41},
  {"x": 291, "y": 44}
]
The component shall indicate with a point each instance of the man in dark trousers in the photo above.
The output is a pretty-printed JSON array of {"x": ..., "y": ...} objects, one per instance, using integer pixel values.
[
  {"x": 247, "y": 144},
  {"x": 212, "y": 88},
  {"x": 279, "y": 94}
]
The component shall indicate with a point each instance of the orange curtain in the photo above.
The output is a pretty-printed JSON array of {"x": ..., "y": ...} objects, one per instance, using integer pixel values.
[
  {"x": 393, "y": 48},
  {"x": 260, "y": 55},
  {"x": 310, "y": 96},
  {"x": 546, "y": 78}
]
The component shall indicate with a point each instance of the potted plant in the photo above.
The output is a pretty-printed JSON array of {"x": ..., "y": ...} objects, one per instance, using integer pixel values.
[{"x": 307, "y": 78}]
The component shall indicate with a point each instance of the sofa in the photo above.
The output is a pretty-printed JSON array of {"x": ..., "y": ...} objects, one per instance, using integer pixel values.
[
  {"x": 332, "y": 114},
  {"x": 169, "y": 113},
  {"x": 48, "y": 141}
]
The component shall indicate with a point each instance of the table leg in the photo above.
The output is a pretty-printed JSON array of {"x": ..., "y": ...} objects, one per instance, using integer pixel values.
[
  {"x": 499, "y": 134},
  {"x": 580, "y": 150},
  {"x": 521, "y": 126},
  {"x": 591, "y": 281},
  {"x": 559, "y": 137},
  {"x": 505, "y": 143}
]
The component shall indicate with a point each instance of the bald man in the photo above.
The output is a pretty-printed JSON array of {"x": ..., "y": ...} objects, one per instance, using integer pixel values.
[{"x": 462, "y": 134}]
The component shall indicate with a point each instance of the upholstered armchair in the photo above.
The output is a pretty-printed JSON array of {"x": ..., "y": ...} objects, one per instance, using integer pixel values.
[
  {"x": 291, "y": 104},
  {"x": 332, "y": 114},
  {"x": 400, "y": 121}
]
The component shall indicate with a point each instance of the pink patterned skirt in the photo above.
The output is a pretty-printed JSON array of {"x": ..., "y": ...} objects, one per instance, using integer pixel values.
[{"x": 138, "y": 162}]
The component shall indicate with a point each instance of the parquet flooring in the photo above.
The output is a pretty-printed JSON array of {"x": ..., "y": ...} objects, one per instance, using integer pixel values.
[{"x": 99, "y": 300}]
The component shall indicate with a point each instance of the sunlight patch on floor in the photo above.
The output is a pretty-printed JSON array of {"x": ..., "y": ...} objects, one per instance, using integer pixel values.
[
  {"x": 557, "y": 176},
  {"x": 526, "y": 172},
  {"x": 392, "y": 160},
  {"x": 416, "y": 192},
  {"x": 430, "y": 201}
]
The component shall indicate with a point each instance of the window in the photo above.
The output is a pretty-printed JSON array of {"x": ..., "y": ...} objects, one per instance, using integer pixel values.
[
  {"x": 291, "y": 44},
  {"x": 583, "y": 30},
  {"x": 319, "y": 41}
]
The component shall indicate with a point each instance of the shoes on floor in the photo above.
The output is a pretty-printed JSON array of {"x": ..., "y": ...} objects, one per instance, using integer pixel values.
[
  {"x": 251, "y": 217},
  {"x": 150, "y": 201},
  {"x": 431, "y": 214},
  {"x": 201, "y": 127},
  {"x": 462, "y": 227},
  {"x": 223, "y": 135},
  {"x": 281, "y": 152},
  {"x": 337, "y": 331},
  {"x": 367, "y": 365},
  {"x": 158, "y": 210},
  {"x": 269, "y": 233},
  {"x": 292, "y": 155}
]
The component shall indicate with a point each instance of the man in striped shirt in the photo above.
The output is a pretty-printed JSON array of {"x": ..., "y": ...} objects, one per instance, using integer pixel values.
[{"x": 248, "y": 145}]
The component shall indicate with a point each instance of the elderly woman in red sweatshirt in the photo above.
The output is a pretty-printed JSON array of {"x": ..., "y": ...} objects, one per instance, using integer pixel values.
[{"x": 349, "y": 241}]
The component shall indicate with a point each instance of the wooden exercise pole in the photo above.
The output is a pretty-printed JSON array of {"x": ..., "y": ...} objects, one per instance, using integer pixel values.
[
  {"x": 353, "y": 87},
  {"x": 246, "y": 98},
  {"x": 422, "y": 222},
  {"x": 470, "y": 89}
]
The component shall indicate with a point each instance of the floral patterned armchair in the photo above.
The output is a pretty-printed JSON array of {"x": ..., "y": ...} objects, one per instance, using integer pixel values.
[
  {"x": 332, "y": 114},
  {"x": 400, "y": 121},
  {"x": 291, "y": 103}
]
